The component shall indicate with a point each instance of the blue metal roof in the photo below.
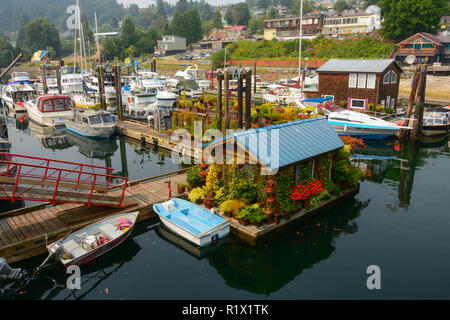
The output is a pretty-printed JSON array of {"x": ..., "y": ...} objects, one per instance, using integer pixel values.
[{"x": 297, "y": 141}]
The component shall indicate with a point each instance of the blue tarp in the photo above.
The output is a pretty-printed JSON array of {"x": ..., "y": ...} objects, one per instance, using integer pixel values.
[{"x": 319, "y": 100}]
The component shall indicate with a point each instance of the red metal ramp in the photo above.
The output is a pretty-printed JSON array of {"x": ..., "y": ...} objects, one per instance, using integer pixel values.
[{"x": 40, "y": 179}]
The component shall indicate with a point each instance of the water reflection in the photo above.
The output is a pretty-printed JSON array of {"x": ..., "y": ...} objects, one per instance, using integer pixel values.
[
  {"x": 93, "y": 148},
  {"x": 270, "y": 266}
]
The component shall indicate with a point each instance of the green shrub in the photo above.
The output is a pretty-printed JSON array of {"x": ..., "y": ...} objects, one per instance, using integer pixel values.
[
  {"x": 193, "y": 176},
  {"x": 232, "y": 205},
  {"x": 343, "y": 104},
  {"x": 197, "y": 194},
  {"x": 253, "y": 213}
]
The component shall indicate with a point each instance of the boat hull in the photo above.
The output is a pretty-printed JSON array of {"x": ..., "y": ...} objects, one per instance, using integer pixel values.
[
  {"x": 364, "y": 132},
  {"x": 90, "y": 132},
  {"x": 199, "y": 241},
  {"x": 436, "y": 129},
  {"x": 55, "y": 120}
]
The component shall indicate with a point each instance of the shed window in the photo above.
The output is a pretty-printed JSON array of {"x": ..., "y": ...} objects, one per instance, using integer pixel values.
[
  {"x": 352, "y": 80},
  {"x": 362, "y": 80},
  {"x": 371, "y": 81},
  {"x": 387, "y": 78},
  {"x": 357, "y": 103},
  {"x": 394, "y": 77}
]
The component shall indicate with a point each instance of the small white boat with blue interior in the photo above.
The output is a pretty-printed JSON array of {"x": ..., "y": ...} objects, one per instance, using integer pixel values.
[
  {"x": 360, "y": 125},
  {"x": 192, "y": 222}
]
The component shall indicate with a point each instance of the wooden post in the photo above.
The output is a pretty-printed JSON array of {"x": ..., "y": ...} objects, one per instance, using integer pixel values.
[
  {"x": 118, "y": 88},
  {"x": 44, "y": 80},
  {"x": 412, "y": 95},
  {"x": 227, "y": 99},
  {"x": 101, "y": 87},
  {"x": 211, "y": 86},
  {"x": 240, "y": 102},
  {"x": 58, "y": 79},
  {"x": 418, "y": 114},
  {"x": 248, "y": 98},
  {"x": 219, "y": 101},
  {"x": 254, "y": 72}
]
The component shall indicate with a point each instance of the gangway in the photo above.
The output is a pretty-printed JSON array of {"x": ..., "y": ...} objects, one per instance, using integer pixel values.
[{"x": 39, "y": 179}]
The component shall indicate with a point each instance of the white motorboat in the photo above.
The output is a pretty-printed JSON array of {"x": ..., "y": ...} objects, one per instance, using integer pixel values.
[
  {"x": 14, "y": 95},
  {"x": 360, "y": 125},
  {"x": 137, "y": 104},
  {"x": 91, "y": 123},
  {"x": 436, "y": 121},
  {"x": 49, "y": 110},
  {"x": 71, "y": 81},
  {"x": 110, "y": 91},
  {"x": 52, "y": 85}
]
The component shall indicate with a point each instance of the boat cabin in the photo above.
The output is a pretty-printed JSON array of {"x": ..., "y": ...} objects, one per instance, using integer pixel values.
[
  {"x": 54, "y": 103},
  {"x": 90, "y": 117}
]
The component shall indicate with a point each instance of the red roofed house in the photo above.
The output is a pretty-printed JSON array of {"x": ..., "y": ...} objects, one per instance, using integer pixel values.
[{"x": 238, "y": 31}]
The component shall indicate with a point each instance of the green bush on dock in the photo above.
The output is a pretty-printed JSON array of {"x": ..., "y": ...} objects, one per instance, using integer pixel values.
[{"x": 197, "y": 194}]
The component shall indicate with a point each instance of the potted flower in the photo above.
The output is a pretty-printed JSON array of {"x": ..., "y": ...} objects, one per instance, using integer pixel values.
[
  {"x": 193, "y": 176},
  {"x": 209, "y": 201},
  {"x": 181, "y": 187},
  {"x": 242, "y": 216}
]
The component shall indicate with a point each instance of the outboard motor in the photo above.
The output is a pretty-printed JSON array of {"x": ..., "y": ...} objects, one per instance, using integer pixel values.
[{"x": 6, "y": 272}]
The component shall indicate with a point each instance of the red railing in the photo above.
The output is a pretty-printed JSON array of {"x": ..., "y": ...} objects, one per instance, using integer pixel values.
[{"x": 40, "y": 179}]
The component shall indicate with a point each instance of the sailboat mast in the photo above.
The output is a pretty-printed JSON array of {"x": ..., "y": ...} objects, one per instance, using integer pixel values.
[
  {"x": 98, "y": 45},
  {"x": 300, "y": 41}
]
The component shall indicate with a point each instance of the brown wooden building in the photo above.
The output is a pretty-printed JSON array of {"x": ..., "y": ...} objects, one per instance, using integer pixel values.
[
  {"x": 360, "y": 82},
  {"x": 286, "y": 28},
  {"x": 424, "y": 47}
]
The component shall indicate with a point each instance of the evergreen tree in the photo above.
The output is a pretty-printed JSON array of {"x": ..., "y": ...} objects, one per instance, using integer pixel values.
[
  {"x": 177, "y": 26},
  {"x": 41, "y": 34},
  {"x": 404, "y": 18},
  {"x": 217, "y": 20},
  {"x": 128, "y": 35}
]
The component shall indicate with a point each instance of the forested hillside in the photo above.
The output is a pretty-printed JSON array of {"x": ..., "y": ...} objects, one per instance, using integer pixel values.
[{"x": 15, "y": 13}]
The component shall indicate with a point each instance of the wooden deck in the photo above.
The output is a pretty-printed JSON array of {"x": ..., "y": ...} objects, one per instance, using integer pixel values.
[
  {"x": 141, "y": 132},
  {"x": 23, "y": 231}
]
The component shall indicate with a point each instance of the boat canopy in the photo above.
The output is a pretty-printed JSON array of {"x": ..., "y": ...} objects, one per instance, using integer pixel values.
[
  {"x": 54, "y": 103},
  {"x": 318, "y": 100}
]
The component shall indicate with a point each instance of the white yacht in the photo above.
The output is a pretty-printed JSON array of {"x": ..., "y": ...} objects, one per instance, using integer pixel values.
[
  {"x": 49, "y": 110},
  {"x": 14, "y": 95},
  {"x": 71, "y": 81},
  {"x": 110, "y": 91}
]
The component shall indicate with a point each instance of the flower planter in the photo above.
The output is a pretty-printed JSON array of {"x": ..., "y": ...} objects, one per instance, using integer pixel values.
[
  {"x": 228, "y": 214},
  {"x": 181, "y": 190},
  {"x": 243, "y": 222}
]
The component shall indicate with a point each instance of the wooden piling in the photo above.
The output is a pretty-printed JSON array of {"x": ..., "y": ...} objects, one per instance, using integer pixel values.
[
  {"x": 420, "y": 100},
  {"x": 254, "y": 72},
  {"x": 219, "y": 101},
  {"x": 227, "y": 99},
  {"x": 101, "y": 87},
  {"x": 44, "y": 80},
  {"x": 248, "y": 98},
  {"x": 118, "y": 89},
  {"x": 240, "y": 102},
  {"x": 58, "y": 79}
]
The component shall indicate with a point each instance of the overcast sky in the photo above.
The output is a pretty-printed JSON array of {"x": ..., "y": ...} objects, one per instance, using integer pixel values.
[{"x": 146, "y": 3}]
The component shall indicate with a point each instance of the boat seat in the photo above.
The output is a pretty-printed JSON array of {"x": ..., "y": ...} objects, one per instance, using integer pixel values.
[
  {"x": 73, "y": 249},
  {"x": 109, "y": 231}
]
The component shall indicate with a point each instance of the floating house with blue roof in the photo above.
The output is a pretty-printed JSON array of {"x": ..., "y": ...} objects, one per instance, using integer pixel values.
[{"x": 274, "y": 147}]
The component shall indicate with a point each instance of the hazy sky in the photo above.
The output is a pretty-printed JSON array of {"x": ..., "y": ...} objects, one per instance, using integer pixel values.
[{"x": 146, "y": 3}]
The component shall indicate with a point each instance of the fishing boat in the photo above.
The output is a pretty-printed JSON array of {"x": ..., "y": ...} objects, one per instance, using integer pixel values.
[
  {"x": 97, "y": 124},
  {"x": 436, "y": 121},
  {"x": 87, "y": 101},
  {"x": 93, "y": 241},
  {"x": 49, "y": 110},
  {"x": 142, "y": 104},
  {"x": 17, "y": 91},
  {"x": 192, "y": 222},
  {"x": 360, "y": 125}
]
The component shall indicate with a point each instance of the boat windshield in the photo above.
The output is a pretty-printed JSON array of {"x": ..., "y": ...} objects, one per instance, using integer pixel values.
[
  {"x": 95, "y": 120},
  {"x": 107, "y": 118},
  {"x": 146, "y": 99}
]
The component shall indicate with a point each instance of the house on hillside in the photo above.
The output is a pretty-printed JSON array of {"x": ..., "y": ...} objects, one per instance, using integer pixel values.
[
  {"x": 171, "y": 44},
  {"x": 237, "y": 31},
  {"x": 360, "y": 82},
  {"x": 424, "y": 47},
  {"x": 289, "y": 28}
]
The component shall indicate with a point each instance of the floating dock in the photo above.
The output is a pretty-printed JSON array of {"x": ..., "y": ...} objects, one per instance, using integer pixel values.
[{"x": 23, "y": 231}]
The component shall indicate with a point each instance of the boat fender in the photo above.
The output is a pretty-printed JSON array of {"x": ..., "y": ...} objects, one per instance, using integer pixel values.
[{"x": 215, "y": 239}]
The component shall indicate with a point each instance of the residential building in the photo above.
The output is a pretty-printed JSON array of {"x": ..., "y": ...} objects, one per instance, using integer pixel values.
[
  {"x": 289, "y": 28},
  {"x": 237, "y": 31},
  {"x": 350, "y": 24},
  {"x": 171, "y": 44},
  {"x": 424, "y": 48},
  {"x": 360, "y": 82}
]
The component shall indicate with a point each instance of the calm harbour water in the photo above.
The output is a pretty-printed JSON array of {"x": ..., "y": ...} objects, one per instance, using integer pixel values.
[{"x": 399, "y": 221}]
